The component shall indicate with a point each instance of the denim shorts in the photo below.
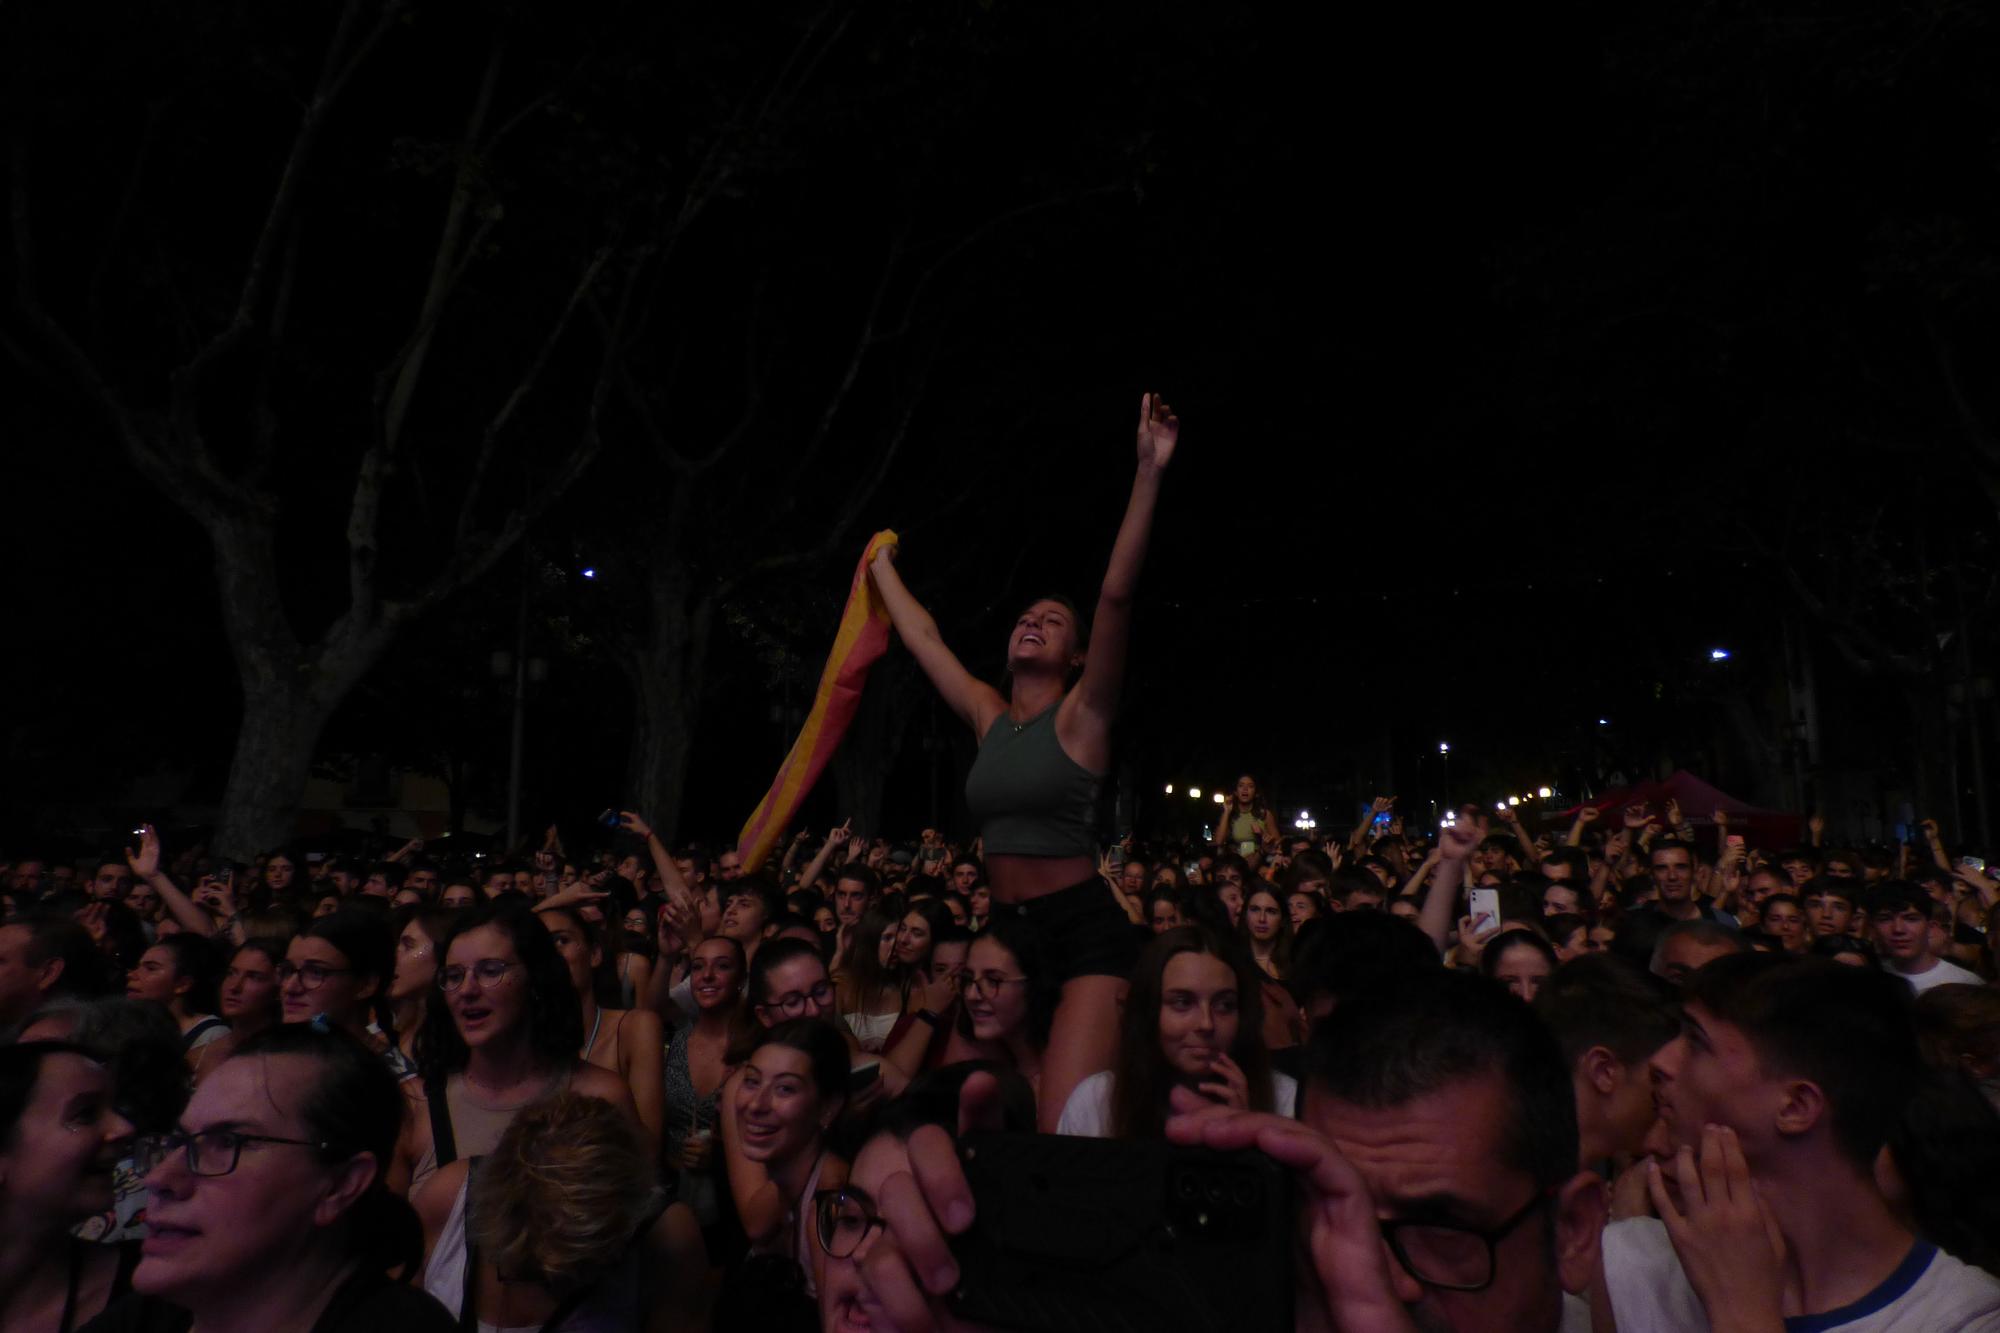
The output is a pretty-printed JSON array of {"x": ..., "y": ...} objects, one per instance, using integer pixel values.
[{"x": 1089, "y": 934}]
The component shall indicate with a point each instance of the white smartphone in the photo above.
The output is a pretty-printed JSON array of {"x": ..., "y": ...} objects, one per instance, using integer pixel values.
[{"x": 1485, "y": 912}]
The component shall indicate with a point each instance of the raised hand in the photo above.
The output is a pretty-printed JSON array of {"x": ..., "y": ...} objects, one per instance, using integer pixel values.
[
  {"x": 1673, "y": 813},
  {"x": 1457, "y": 842},
  {"x": 1381, "y": 805},
  {"x": 145, "y": 862},
  {"x": 1589, "y": 814},
  {"x": 1635, "y": 816},
  {"x": 1159, "y": 431},
  {"x": 632, "y": 822},
  {"x": 1816, "y": 825}
]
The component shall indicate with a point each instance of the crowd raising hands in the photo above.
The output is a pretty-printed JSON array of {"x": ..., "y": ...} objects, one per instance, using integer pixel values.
[{"x": 1624, "y": 1069}]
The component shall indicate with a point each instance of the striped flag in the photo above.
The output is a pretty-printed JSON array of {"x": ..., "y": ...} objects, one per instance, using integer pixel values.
[{"x": 862, "y": 639}]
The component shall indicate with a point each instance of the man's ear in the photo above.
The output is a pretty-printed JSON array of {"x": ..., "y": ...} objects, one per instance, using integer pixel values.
[
  {"x": 1581, "y": 1212},
  {"x": 51, "y": 973},
  {"x": 1802, "y": 1107},
  {"x": 1601, "y": 1069}
]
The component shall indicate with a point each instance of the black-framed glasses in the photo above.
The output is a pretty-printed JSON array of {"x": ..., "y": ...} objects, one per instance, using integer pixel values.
[
  {"x": 311, "y": 975},
  {"x": 212, "y": 1152},
  {"x": 793, "y": 1003},
  {"x": 846, "y": 1217},
  {"x": 1452, "y": 1257},
  {"x": 489, "y": 971}
]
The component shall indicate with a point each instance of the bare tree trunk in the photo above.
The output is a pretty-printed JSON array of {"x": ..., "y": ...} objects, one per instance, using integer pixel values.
[
  {"x": 289, "y": 689},
  {"x": 668, "y": 668},
  {"x": 268, "y": 771}
]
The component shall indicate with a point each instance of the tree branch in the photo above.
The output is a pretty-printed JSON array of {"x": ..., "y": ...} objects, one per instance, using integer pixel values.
[{"x": 446, "y": 264}]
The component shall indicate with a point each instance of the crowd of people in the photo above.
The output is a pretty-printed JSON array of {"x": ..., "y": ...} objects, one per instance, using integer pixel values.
[{"x": 1636, "y": 1072}]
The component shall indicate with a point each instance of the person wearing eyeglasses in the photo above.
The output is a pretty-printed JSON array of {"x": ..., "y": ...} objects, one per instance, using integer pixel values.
[
  {"x": 848, "y": 1219},
  {"x": 60, "y": 1141},
  {"x": 269, "y": 1205},
  {"x": 1010, "y": 999},
  {"x": 1435, "y": 1162},
  {"x": 340, "y": 968},
  {"x": 507, "y": 1035}
]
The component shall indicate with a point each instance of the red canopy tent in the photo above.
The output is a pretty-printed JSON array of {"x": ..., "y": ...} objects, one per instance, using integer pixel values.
[{"x": 1770, "y": 829}]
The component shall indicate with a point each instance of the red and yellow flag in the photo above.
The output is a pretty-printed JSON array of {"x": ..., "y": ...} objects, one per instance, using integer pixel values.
[{"x": 862, "y": 639}]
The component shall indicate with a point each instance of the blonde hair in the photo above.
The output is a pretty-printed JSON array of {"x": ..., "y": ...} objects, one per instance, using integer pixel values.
[{"x": 563, "y": 1194}]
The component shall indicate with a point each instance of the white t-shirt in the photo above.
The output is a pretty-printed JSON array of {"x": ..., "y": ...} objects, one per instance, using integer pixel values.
[
  {"x": 1087, "y": 1113},
  {"x": 1930, "y": 1292},
  {"x": 1941, "y": 973}
]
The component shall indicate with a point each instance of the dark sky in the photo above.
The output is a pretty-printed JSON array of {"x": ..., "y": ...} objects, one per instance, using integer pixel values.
[{"x": 1492, "y": 335}]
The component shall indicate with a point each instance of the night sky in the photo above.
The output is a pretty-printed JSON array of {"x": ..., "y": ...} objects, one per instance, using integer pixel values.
[{"x": 1522, "y": 358}]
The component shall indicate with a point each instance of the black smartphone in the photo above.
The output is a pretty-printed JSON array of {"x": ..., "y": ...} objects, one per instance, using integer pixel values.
[
  {"x": 608, "y": 818},
  {"x": 1080, "y": 1235}
]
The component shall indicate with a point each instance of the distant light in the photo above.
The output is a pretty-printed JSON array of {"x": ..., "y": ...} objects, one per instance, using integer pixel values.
[
  {"x": 1603, "y": 721},
  {"x": 1513, "y": 800},
  {"x": 1194, "y": 793},
  {"x": 1544, "y": 793},
  {"x": 1170, "y": 789},
  {"x": 589, "y": 572},
  {"x": 1304, "y": 816},
  {"x": 1499, "y": 805},
  {"x": 1718, "y": 654},
  {"x": 1444, "y": 747},
  {"x": 1220, "y": 798}
]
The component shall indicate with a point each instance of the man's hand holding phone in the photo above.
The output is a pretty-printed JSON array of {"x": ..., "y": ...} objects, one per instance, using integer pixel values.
[
  {"x": 910, "y": 1268},
  {"x": 1347, "y": 1285}
]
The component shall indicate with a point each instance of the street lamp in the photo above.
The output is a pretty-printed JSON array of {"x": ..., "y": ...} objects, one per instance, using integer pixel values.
[
  {"x": 1170, "y": 789},
  {"x": 1543, "y": 792},
  {"x": 1194, "y": 793},
  {"x": 1718, "y": 654},
  {"x": 1220, "y": 798}
]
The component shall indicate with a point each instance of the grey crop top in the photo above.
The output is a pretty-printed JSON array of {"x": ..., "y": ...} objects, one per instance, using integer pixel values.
[{"x": 1029, "y": 797}]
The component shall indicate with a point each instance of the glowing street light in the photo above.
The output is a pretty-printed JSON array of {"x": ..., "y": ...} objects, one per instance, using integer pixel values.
[
  {"x": 1170, "y": 789},
  {"x": 1718, "y": 654},
  {"x": 1543, "y": 792},
  {"x": 1444, "y": 747},
  {"x": 1220, "y": 798},
  {"x": 1194, "y": 793},
  {"x": 1513, "y": 800}
]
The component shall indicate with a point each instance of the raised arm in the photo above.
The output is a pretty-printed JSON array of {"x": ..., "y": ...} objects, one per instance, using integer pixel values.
[
  {"x": 1456, "y": 844},
  {"x": 814, "y": 868},
  {"x": 1103, "y": 680},
  {"x": 975, "y": 702},
  {"x": 145, "y": 864}
]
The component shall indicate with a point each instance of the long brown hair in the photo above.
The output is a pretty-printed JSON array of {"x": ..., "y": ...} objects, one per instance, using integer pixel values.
[{"x": 1144, "y": 1078}]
